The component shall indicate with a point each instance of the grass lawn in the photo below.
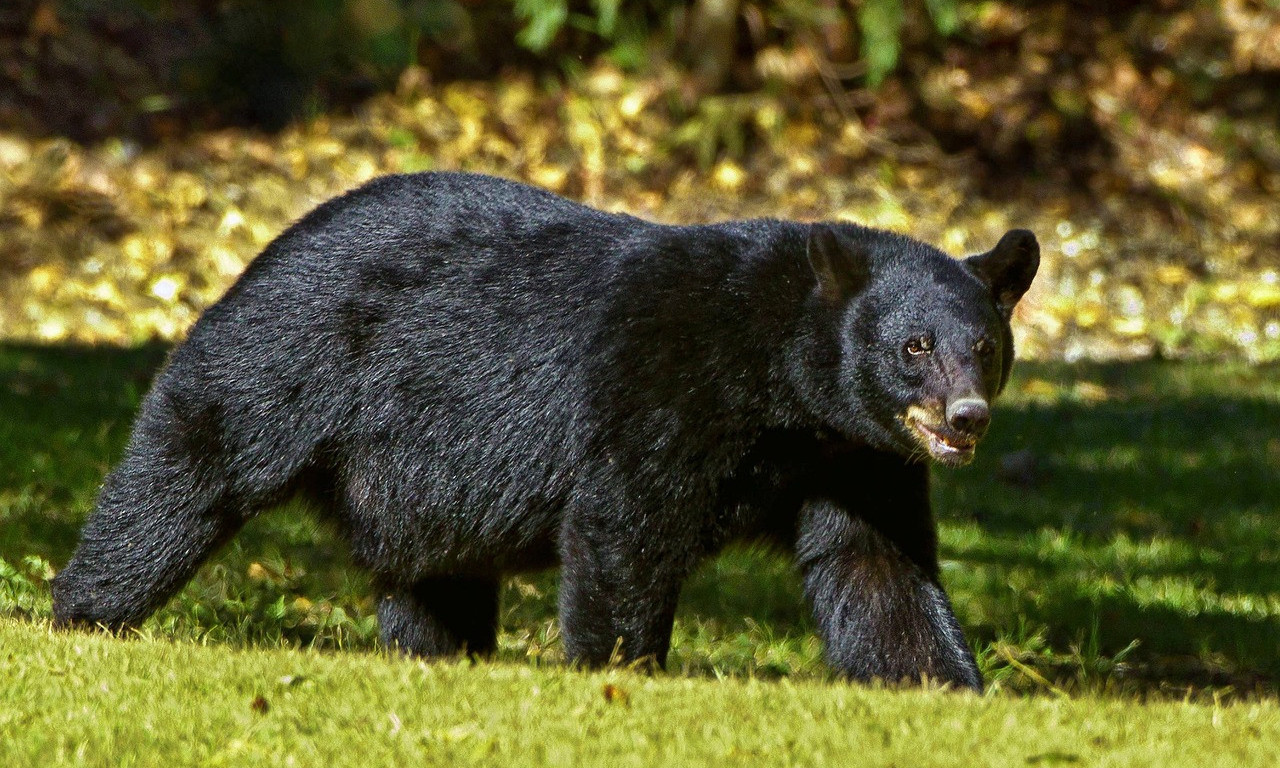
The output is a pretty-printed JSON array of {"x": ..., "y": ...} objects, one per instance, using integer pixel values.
[
  {"x": 96, "y": 700},
  {"x": 1113, "y": 554}
]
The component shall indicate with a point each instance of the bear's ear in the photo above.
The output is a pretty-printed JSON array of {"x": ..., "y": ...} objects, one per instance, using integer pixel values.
[
  {"x": 840, "y": 265},
  {"x": 1009, "y": 268}
]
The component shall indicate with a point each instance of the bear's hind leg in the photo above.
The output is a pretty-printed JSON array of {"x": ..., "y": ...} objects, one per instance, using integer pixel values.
[
  {"x": 155, "y": 522},
  {"x": 441, "y": 616}
]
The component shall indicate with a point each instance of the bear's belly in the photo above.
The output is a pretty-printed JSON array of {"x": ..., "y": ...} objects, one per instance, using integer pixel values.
[{"x": 455, "y": 541}]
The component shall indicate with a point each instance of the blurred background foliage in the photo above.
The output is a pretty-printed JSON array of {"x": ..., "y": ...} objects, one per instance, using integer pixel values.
[{"x": 150, "y": 148}]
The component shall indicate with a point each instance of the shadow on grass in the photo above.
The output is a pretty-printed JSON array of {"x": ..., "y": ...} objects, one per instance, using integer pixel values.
[
  {"x": 1147, "y": 510},
  {"x": 65, "y": 414},
  {"x": 1111, "y": 503}
]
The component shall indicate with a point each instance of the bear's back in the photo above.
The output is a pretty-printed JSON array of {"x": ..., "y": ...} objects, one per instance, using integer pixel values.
[{"x": 417, "y": 332}]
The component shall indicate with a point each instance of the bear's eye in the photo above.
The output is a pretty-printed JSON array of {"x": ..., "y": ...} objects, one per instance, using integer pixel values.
[
  {"x": 919, "y": 346},
  {"x": 984, "y": 348}
]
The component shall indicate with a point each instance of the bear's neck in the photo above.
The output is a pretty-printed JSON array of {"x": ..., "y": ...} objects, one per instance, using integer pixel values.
[{"x": 767, "y": 314}]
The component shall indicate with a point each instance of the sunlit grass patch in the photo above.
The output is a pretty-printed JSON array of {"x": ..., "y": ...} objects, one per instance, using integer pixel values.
[{"x": 78, "y": 699}]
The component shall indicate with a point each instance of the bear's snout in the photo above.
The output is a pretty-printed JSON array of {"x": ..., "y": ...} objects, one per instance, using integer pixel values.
[{"x": 969, "y": 415}]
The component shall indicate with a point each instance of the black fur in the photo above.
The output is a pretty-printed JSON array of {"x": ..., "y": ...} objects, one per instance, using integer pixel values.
[{"x": 475, "y": 378}]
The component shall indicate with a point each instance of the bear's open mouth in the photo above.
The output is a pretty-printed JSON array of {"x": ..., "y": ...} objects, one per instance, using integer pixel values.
[{"x": 943, "y": 445}]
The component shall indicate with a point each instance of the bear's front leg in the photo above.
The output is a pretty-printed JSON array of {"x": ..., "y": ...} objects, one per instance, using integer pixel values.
[
  {"x": 617, "y": 596},
  {"x": 873, "y": 582}
]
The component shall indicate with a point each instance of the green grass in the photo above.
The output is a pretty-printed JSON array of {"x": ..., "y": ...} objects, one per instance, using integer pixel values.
[
  {"x": 96, "y": 700},
  {"x": 1114, "y": 552}
]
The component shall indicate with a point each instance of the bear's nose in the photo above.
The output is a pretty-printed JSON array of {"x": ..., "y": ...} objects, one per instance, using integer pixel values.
[{"x": 970, "y": 415}]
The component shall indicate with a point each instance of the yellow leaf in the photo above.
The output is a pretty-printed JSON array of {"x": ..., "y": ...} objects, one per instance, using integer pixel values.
[
  {"x": 1263, "y": 296},
  {"x": 729, "y": 176},
  {"x": 167, "y": 288}
]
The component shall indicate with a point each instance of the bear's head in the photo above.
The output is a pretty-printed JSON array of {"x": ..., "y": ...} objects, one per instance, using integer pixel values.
[{"x": 910, "y": 346}]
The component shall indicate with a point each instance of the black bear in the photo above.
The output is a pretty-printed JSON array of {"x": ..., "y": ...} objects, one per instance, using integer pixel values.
[{"x": 473, "y": 378}]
